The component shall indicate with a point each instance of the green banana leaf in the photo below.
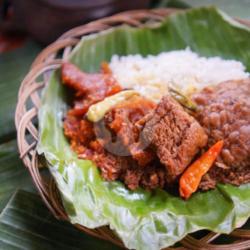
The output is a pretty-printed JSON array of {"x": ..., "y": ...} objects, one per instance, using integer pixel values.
[
  {"x": 13, "y": 67},
  {"x": 234, "y": 8},
  {"x": 13, "y": 174},
  {"x": 143, "y": 220},
  {"x": 27, "y": 224}
]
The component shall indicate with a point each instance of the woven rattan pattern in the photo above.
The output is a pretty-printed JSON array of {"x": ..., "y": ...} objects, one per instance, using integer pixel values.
[{"x": 27, "y": 134}]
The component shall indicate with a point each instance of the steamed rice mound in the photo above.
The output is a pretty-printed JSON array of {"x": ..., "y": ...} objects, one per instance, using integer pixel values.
[{"x": 183, "y": 70}]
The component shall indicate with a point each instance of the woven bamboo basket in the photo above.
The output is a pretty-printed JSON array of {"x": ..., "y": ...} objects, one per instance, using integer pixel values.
[{"x": 27, "y": 108}]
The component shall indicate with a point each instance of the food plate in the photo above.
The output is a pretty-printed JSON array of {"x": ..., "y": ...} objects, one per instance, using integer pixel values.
[{"x": 142, "y": 219}]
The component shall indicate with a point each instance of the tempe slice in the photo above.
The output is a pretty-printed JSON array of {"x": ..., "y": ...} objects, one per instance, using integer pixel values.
[
  {"x": 175, "y": 136},
  {"x": 88, "y": 88}
]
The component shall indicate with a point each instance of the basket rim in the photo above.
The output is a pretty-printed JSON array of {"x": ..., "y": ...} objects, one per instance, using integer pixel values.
[{"x": 45, "y": 61}]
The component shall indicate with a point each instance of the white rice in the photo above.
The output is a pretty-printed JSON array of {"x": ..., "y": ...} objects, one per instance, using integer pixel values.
[{"x": 183, "y": 70}]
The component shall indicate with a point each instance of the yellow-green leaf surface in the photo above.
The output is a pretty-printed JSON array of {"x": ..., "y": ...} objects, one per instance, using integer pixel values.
[{"x": 143, "y": 220}]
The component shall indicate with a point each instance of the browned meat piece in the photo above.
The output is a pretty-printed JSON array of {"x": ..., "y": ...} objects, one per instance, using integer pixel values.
[
  {"x": 80, "y": 132},
  {"x": 136, "y": 166},
  {"x": 126, "y": 170},
  {"x": 153, "y": 177},
  {"x": 143, "y": 156},
  {"x": 99, "y": 85},
  {"x": 150, "y": 178},
  {"x": 111, "y": 166},
  {"x": 224, "y": 112},
  {"x": 132, "y": 178},
  {"x": 122, "y": 119},
  {"x": 175, "y": 136},
  {"x": 89, "y": 88}
]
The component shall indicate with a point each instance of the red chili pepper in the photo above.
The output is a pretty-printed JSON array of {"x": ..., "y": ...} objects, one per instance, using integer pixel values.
[{"x": 191, "y": 178}]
